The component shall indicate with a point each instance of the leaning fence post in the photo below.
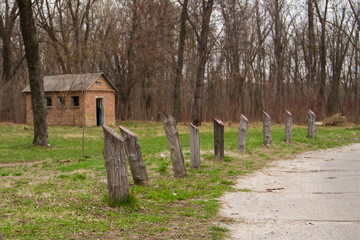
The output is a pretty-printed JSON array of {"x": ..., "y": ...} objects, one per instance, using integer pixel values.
[
  {"x": 311, "y": 124},
  {"x": 242, "y": 134},
  {"x": 134, "y": 155},
  {"x": 194, "y": 146},
  {"x": 172, "y": 135},
  {"x": 219, "y": 139},
  {"x": 115, "y": 164},
  {"x": 288, "y": 126},
  {"x": 266, "y": 129}
]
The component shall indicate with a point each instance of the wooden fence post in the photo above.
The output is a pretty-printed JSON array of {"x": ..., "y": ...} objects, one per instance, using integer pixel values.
[
  {"x": 311, "y": 124},
  {"x": 219, "y": 139},
  {"x": 266, "y": 129},
  {"x": 194, "y": 146},
  {"x": 172, "y": 135},
  {"x": 115, "y": 164},
  {"x": 134, "y": 155},
  {"x": 288, "y": 126},
  {"x": 242, "y": 134}
]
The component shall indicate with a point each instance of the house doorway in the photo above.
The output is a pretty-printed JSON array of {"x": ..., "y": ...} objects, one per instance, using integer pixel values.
[{"x": 99, "y": 112}]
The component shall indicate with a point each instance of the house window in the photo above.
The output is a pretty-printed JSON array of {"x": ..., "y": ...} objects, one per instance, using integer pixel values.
[
  {"x": 98, "y": 83},
  {"x": 75, "y": 101},
  {"x": 60, "y": 101},
  {"x": 48, "y": 101}
]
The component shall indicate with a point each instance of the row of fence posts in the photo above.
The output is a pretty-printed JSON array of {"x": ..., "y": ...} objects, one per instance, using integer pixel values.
[{"x": 117, "y": 147}]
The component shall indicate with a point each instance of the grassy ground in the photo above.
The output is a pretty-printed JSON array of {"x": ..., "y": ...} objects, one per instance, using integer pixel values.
[{"x": 61, "y": 195}]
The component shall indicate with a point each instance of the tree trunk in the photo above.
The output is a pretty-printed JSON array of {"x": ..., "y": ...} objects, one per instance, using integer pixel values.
[
  {"x": 311, "y": 124},
  {"x": 194, "y": 146},
  {"x": 242, "y": 134},
  {"x": 288, "y": 126},
  {"x": 323, "y": 50},
  {"x": 357, "y": 64},
  {"x": 340, "y": 45},
  {"x": 172, "y": 135},
  {"x": 7, "y": 26},
  {"x": 266, "y": 129},
  {"x": 115, "y": 163},
  {"x": 311, "y": 50},
  {"x": 219, "y": 139},
  {"x": 205, "y": 27},
  {"x": 311, "y": 44},
  {"x": 357, "y": 76},
  {"x": 28, "y": 31},
  {"x": 134, "y": 155},
  {"x": 278, "y": 87},
  {"x": 7, "y": 59},
  {"x": 180, "y": 61}
]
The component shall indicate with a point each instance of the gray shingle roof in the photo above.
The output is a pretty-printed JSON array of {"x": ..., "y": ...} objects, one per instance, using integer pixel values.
[{"x": 70, "y": 82}]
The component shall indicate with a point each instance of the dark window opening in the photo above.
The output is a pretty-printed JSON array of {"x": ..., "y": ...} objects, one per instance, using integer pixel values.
[
  {"x": 75, "y": 101},
  {"x": 48, "y": 101},
  {"x": 60, "y": 101},
  {"x": 98, "y": 83}
]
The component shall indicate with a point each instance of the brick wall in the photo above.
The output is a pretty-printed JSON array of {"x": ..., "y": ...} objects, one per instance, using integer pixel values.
[
  {"x": 72, "y": 115},
  {"x": 59, "y": 114},
  {"x": 108, "y": 100},
  {"x": 28, "y": 109}
]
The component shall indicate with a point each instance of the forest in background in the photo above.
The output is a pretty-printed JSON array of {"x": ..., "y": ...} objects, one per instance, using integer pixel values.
[{"x": 253, "y": 55}]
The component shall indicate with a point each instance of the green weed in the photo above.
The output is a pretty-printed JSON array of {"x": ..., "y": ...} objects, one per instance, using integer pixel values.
[
  {"x": 129, "y": 204},
  {"x": 218, "y": 232},
  {"x": 64, "y": 196}
]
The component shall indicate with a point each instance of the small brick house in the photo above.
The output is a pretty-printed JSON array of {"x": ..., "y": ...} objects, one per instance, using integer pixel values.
[{"x": 65, "y": 96}]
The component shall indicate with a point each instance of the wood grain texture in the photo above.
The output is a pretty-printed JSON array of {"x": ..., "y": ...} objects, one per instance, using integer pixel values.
[
  {"x": 311, "y": 124},
  {"x": 242, "y": 134},
  {"x": 194, "y": 146},
  {"x": 133, "y": 152},
  {"x": 266, "y": 130},
  {"x": 219, "y": 139},
  {"x": 288, "y": 126},
  {"x": 172, "y": 134},
  {"x": 115, "y": 164}
]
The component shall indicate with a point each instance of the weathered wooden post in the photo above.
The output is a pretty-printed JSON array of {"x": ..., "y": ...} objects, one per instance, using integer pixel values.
[
  {"x": 194, "y": 146},
  {"x": 172, "y": 134},
  {"x": 115, "y": 164},
  {"x": 311, "y": 124},
  {"x": 242, "y": 134},
  {"x": 288, "y": 126},
  {"x": 134, "y": 155},
  {"x": 266, "y": 129},
  {"x": 219, "y": 139}
]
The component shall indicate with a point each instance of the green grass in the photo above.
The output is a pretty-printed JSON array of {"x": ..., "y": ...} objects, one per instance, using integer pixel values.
[{"x": 64, "y": 196}]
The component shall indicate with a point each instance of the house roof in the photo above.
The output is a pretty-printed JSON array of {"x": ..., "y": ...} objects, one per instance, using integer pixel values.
[{"x": 70, "y": 82}]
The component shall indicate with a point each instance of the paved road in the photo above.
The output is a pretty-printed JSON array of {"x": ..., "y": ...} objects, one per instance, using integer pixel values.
[{"x": 314, "y": 196}]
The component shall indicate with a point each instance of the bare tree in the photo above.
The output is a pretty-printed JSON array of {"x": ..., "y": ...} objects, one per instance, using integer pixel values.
[
  {"x": 339, "y": 47},
  {"x": 207, "y": 7},
  {"x": 263, "y": 55},
  {"x": 180, "y": 60},
  {"x": 356, "y": 13},
  {"x": 7, "y": 25},
  {"x": 278, "y": 39},
  {"x": 28, "y": 31},
  {"x": 323, "y": 50},
  {"x": 13, "y": 58},
  {"x": 310, "y": 59}
]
